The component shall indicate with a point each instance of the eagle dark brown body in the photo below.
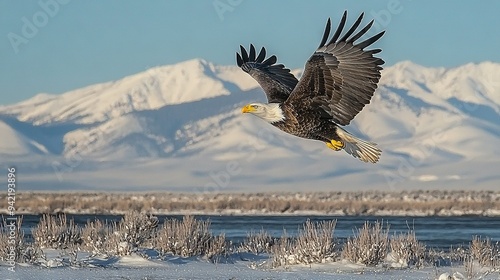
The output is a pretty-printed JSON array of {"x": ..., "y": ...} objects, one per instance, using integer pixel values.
[{"x": 339, "y": 79}]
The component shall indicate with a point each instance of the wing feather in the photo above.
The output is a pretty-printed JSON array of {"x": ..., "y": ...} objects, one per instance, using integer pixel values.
[
  {"x": 326, "y": 33},
  {"x": 276, "y": 80},
  {"x": 261, "y": 56},
  {"x": 361, "y": 32},
  {"x": 244, "y": 53},
  {"x": 251, "y": 57},
  {"x": 338, "y": 31},
  {"x": 340, "y": 77},
  {"x": 351, "y": 30}
]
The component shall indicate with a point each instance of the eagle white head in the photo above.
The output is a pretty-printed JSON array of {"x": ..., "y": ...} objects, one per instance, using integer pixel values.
[{"x": 271, "y": 112}]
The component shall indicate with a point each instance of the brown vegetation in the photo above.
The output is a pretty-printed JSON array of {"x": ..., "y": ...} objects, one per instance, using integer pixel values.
[
  {"x": 485, "y": 252},
  {"x": 13, "y": 245},
  {"x": 96, "y": 237},
  {"x": 257, "y": 243},
  {"x": 429, "y": 203},
  {"x": 190, "y": 237},
  {"x": 407, "y": 250},
  {"x": 135, "y": 230},
  {"x": 314, "y": 244},
  {"x": 369, "y": 246},
  {"x": 55, "y": 232}
]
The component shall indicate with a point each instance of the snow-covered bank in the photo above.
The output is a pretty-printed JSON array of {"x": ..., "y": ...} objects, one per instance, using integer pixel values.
[
  {"x": 138, "y": 248},
  {"x": 237, "y": 267}
]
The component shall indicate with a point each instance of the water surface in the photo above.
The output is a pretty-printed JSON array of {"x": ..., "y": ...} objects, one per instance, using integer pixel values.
[{"x": 435, "y": 232}]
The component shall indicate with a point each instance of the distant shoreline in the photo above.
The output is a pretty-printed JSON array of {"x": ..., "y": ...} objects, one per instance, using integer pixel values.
[
  {"x": 369, "y": 203},
  {"x": 495, "y": 213}
]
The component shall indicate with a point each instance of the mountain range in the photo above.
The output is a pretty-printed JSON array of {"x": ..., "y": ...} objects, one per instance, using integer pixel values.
[{"x": 180, "y": 127}]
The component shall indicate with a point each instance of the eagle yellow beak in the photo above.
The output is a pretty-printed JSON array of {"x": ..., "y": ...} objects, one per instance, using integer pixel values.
[{"x": 247, "y": 109}]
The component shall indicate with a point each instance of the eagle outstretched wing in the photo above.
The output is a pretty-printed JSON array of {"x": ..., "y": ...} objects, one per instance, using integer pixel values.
[
  {"x": 276, "y": 80},
  {"x": 340, "y": 77}
]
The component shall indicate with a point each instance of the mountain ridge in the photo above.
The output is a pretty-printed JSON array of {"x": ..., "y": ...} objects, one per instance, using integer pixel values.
[{"x": 434, "y": 121}]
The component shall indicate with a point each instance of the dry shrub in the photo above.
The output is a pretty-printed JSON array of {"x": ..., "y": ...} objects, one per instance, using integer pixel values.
[
  {"x": 257, "y": 243},
  {"x": 53, "y": 231},
  {"x": 349, "y": 203},
  {"x": 190, "y": 237},
  {"x": 184, "y": 238},
  {"x": 470, "y": 273},
  {"x": 95, "y": 237},
  {"x": 482, "y": 253},
  {"x": 11, "y": 237},
  {"x": 368, "y": 246},
  {"x": 485, "y": 252},
  {"x": 435, "y": 257},
  {"x": 13, "y": 246},
  {"x": 456, "y": 254},
  {"x": 134, "y": 230},
  {"x": 281, "y": 252},
  {"x": 217, "y": 247},
  {"x": 407, "y": 250},
  {"x": 314, "y": 244}
]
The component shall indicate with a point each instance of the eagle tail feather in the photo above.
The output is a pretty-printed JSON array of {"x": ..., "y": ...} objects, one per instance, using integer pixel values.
[{"x": 361, "y": 149}]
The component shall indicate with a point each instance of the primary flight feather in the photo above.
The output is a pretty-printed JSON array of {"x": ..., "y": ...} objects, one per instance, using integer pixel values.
[{"x": 339, "y": 79}]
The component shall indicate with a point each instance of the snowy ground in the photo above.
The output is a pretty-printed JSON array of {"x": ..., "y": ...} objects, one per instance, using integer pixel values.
[{"x": 238, "y": 266}]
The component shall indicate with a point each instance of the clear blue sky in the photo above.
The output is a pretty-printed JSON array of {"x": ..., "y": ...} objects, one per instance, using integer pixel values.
[{"x": 55, "y": 48}]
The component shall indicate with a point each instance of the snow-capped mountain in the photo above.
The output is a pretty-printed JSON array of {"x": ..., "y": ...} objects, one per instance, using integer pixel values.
[
  {"x": 185, "y": 82},
  {"x": 180, "y": 126}
]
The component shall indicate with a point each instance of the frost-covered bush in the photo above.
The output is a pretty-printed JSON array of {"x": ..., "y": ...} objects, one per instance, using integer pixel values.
[
  {"x": 407, "y": 250},
  {"x": 257, "y": 243},
  {"x": 13, "y": 246},
  {"x": 369, "y": 246},
  {"x": 134, "y": 230},
  {"x": 485, "y": 252},
  {"x": 96, "y": 236},
  {"x": 54, "y": 231},
  {"x": 282, "y": 252},
  {"x": 189, "y": 237},
  {"x": 11, "y": 237},
  {"x": 314, "y": 244},
  {"x": 482, "y": 253},
  {"x": 217, "y": 248}
]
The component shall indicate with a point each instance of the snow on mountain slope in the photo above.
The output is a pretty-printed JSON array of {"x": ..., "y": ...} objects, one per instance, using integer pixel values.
[
  {"x": 14, "y": 143},
  {"x": 466, "y": 87},
  {"x": 156, "y": 133},
  {"x": 184, "y": 82},
  {"x": 181, "y": 126}
]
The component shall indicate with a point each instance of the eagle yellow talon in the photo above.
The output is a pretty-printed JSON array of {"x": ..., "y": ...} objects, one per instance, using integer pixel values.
[{"x": 335, "y": 145}]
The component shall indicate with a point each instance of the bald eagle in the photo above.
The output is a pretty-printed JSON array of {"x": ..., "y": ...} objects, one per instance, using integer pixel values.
[{"x": 339, "y": 79}]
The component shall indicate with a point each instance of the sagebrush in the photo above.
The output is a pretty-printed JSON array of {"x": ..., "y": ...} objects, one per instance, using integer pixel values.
[
  {"x": 407, "y": 250},
  {"x": 13, "y": 245},
  {"x": 190, "y": 237},
  {"x": 133, "y": 231},
  {"x": 281, "y": 252},
  {"x": 54, "y": 231},
  {"x": 343, "y": 203},
  {"x": 369, "y": 246},
  {"x": 314, "y": 244},
  {"x": 257, "y": 243},
  {"x": 485, "y": 252},
  {"x": 96, "y": 237}
]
